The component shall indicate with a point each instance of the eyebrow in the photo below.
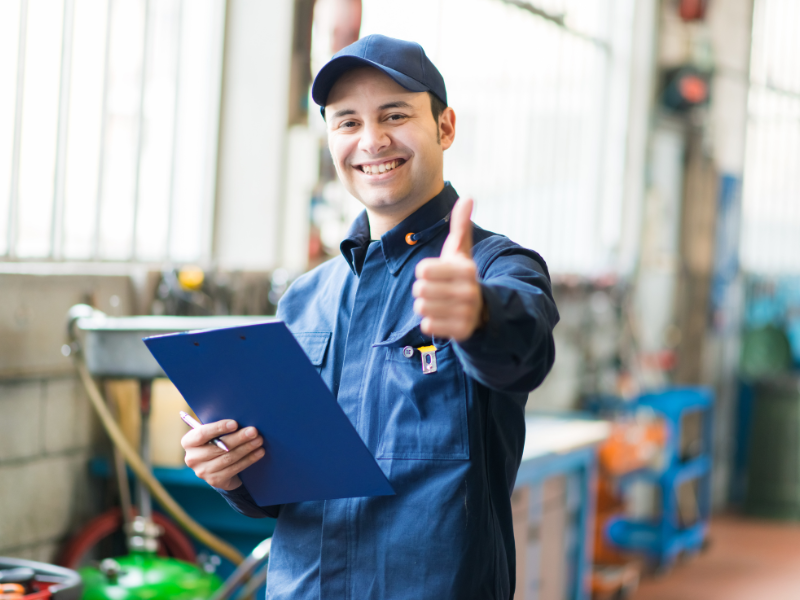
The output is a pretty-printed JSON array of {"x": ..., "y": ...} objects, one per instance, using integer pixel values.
[
  {"x": 397, "y": 104},
  {"x": 344, "y": 112}
]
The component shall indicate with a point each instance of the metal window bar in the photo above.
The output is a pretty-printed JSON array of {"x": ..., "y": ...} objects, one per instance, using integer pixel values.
[
  {"x": 59, "y": 188},
  {"x": 171, "y": 207},
  {"x": 137, "y": 172},
  {"x": 553, "y": 184},
  {"x": 57, "y": 233},
  {"x": 98, "y": 207},
  {"x": 771, "y": 191},
  {"x": 17, "y": 141}
]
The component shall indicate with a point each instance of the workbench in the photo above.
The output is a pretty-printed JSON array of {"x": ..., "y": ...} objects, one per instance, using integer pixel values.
[{"x": 553, "y": 506}]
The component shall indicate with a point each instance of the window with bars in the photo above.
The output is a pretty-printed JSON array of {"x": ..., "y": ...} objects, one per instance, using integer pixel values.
[
  {"x": 771, "y": 185},
  {"x": 109, "y": 113},
  {"x": 540, "y": 92}
]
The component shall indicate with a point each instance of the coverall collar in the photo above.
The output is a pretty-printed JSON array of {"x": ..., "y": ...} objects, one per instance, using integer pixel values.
[{"x": 400, "y": 242}]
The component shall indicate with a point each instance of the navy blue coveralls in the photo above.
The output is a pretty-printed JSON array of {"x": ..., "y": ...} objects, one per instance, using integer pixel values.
[{"x": 450, "y": 442}]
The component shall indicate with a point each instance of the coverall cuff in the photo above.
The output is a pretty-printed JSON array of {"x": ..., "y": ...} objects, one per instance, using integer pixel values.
[
  {"x": 242, "y": 502},
  {"x": 488, "y": 338}
]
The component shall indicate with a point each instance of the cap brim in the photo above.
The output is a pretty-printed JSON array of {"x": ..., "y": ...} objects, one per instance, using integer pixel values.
[{"x": 330, "y": 73}]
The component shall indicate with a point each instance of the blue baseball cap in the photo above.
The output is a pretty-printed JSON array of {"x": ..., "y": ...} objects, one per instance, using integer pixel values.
[{"x": 405, "y": 62}]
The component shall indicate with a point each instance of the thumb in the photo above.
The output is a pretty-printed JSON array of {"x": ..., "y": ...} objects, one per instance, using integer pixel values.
[{"x": 459, "y": 242}]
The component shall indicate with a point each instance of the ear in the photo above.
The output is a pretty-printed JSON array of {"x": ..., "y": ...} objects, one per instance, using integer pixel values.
[{"x": 447, "y": 127}]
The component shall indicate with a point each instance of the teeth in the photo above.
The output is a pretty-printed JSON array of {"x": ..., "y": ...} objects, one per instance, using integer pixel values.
[{"x": 382, "y": 168}]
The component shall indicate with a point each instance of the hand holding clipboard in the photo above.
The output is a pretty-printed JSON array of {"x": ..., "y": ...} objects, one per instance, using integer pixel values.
[
  {"x": 258, "y": 377},
  {"x": 220, "y": 466}
]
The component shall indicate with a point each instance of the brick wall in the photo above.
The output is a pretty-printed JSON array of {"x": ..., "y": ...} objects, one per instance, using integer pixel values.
[
  {"x": 48, "y": 431},
  {"x": 48, "y": 436}
]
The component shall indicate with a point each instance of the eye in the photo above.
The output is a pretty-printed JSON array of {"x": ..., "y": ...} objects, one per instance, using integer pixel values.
[
  {"x": 396, "y": 117},
  {"x": 347, "y": 124}
]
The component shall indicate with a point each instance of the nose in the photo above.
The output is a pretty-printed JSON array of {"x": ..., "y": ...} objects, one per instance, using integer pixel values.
[{"x": 373, "y": 139}]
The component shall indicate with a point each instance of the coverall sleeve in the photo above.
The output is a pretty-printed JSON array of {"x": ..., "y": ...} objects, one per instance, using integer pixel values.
[
  {"x": 242, "y": 502},
  {"x": 514, "y": 350}
]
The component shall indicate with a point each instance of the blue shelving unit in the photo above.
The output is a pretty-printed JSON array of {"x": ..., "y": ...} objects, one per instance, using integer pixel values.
[{"x": 665, "y": 538}]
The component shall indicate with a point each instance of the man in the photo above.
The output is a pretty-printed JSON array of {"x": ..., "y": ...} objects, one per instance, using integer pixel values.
[{"x": 414, "y": 273}]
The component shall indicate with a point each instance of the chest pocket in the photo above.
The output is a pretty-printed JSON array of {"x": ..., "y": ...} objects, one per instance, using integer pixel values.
[
  {"x": 315, "y": 345},
  {"x": 422, "y": 415}
]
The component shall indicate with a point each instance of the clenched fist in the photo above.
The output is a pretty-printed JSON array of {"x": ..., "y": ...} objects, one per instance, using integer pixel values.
[{"x": 448, "y": 296}]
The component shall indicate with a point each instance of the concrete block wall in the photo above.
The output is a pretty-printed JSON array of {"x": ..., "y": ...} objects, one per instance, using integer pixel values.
[
  {"x": 48, "y": 431},
  {"x": 48, "y": 437}
]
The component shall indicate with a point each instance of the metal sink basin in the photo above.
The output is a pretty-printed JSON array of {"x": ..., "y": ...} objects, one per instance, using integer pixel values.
[{"x": 113, "y": 347}]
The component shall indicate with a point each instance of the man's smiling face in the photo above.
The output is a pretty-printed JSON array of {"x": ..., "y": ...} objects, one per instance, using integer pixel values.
[{"x": 387, "y": 148}]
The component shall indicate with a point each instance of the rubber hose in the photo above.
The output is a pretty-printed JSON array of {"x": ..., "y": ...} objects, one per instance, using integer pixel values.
[{"x": 141, "y": 470}]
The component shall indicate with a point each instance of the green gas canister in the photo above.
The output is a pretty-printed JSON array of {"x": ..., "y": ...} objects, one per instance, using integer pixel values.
[{"x": 142, "y": 575}]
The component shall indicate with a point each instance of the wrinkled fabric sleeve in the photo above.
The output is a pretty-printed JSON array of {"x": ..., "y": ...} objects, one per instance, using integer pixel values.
[
  {"x": 242, "y": 502},
  {"x": 514, "y": 350}
]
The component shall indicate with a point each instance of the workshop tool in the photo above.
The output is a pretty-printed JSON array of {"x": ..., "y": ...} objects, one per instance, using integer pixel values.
[{"x": 30, "y": 580}]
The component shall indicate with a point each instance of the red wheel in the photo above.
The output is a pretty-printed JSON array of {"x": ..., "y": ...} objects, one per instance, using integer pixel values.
[{"x": 172, "y": 543}]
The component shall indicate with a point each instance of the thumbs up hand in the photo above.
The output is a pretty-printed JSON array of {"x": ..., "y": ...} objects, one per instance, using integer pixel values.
[{"x": 447, "y": 293}]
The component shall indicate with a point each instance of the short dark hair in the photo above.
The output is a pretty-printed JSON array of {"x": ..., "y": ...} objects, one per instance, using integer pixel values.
[{"x": 437, "y": 108}]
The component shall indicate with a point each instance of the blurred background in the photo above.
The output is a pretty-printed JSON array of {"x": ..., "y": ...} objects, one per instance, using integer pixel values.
[{"x": 163, "y": 157}]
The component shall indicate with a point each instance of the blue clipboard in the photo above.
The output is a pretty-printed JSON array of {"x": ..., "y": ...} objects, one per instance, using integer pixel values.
[{"x": 258, "y": 375}]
